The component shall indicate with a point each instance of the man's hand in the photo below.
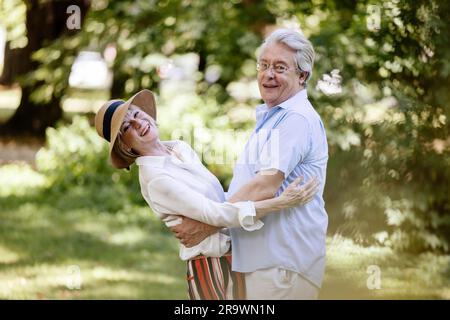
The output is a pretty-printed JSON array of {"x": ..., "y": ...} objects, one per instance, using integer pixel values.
[{"x": 191, "y": 232}]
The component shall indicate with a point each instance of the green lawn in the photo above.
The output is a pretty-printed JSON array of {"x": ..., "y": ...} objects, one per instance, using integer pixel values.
[
  {"x": 127, "y": 255},
  {"x": 130, "y": 255},
  {"x": 402, "y": 275}
]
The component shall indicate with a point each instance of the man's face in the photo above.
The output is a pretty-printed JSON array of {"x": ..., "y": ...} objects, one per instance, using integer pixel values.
[{"x": 276, "y": 88}]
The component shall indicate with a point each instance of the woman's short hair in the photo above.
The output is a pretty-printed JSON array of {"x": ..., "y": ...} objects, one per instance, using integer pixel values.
[
  {"x": 121, "y": 148},
  {"x": 122, "y": 151},
  {"x": 304, "y": 51}
]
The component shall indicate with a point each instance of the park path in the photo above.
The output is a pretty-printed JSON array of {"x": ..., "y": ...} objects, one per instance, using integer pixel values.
[{"x": 19, "y": 151}]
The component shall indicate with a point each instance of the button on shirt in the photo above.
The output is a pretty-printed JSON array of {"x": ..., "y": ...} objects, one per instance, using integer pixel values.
[
  {"x": 291, "y": 138},
  {"x": 181, "y": 185}
]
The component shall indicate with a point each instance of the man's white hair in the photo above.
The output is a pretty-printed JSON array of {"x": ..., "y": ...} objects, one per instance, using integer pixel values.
[{"x": 304, "y": 51}]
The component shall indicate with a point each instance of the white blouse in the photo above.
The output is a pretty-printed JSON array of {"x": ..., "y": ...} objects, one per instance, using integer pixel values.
[{"x": 181, "y": 185}]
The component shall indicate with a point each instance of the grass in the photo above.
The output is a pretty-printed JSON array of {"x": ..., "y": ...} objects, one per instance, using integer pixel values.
[
  {"x": 127, "y": 255},
  {"x": 52, "y": 251},
  {"x": 350, "y": 272},
  {"x": 118, "y": 256}
]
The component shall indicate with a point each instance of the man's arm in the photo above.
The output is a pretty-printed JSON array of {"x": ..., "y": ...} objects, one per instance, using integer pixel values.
[
  {"x": 191, "y": 232},
  {"x": 295, "y": 136},
  {"x": 263, "y": 186}
]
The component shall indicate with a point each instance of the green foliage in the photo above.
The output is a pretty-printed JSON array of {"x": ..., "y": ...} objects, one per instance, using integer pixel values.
[
  {"x": 12, "y": 17},
  {"x": 53, "y": 66},
  {"x": 208, "y": 127},
  {"x": 398, "y": 108},
  {"x": 76, "y": 165},
  {"x": 147, "y": 33},
  {"x": 388, "y": 129}
]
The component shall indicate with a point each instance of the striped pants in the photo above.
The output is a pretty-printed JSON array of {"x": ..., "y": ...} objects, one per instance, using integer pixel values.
[{"x": 211, "y": 278}]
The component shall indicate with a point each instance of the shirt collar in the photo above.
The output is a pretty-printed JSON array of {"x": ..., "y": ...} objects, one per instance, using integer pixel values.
[
  {"x": 153, "y": 161},
  {"x": 288, "y": 104},
  {"x": 157, "y": 161}
]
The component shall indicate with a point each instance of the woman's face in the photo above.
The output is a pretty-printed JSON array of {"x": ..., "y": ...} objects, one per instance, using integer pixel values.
[{"x": 138, "y": 129}]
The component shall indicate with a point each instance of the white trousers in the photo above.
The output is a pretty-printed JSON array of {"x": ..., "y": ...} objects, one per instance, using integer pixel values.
[{"x": 279, "y": 284}]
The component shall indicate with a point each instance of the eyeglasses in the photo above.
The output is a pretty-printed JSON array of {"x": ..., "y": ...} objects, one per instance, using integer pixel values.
[{"x": 277, "y": 68}]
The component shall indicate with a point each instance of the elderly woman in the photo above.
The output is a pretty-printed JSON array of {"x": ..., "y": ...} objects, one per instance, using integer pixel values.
[{"x": 175, "y": 183}]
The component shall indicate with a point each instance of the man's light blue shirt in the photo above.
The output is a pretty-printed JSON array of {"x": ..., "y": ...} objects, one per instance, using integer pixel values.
[{"x": 289, "y": 137}]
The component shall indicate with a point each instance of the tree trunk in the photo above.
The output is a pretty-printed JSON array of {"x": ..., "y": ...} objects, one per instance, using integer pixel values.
[
  {"x": 32, "y": 119},
  {"x": 45, "y": 22},
  {"x": 13, "y": 65},
  {"x": 118, "y": 85}
]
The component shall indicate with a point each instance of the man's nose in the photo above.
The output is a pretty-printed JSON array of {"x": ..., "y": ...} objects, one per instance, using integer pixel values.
[{"x": 270, "y": 73}]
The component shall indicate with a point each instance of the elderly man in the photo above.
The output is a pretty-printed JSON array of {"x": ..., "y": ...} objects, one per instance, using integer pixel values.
[{"x": 286, "y": 258}]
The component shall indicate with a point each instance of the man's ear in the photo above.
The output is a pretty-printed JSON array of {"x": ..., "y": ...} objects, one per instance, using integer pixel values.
[{"x": 302, "y": 78}]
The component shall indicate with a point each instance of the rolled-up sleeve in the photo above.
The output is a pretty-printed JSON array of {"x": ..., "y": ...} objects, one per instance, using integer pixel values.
[
  {"x": 287, "y": 145},
  {"x": 172, "y": 197}
]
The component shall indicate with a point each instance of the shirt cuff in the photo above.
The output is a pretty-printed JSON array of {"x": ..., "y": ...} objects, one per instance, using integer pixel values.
[
  {"x": 216, "y": 245},
  {"x": 247, "y": 215},
  {"x": 172, "y": 221}
]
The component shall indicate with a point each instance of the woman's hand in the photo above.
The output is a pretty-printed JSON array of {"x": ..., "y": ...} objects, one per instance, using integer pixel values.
[{"x": 295, "y": 195}]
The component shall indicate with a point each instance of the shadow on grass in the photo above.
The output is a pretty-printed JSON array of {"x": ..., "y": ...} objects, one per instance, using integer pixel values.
[
  {"x": 129, "y": 254},
  {"x": 399, "y": 275},
  {"x": 121, "y": 289},
  {"x": 122, "y": 255}
]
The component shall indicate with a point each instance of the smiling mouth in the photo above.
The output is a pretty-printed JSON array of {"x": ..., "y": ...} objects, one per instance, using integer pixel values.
[
  {"x": 146, "y": 130},
  {"x": 270, "y": 86}
]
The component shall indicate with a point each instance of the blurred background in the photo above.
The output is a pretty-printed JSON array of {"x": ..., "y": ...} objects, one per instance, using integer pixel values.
[{"x": 71, "y": 227}]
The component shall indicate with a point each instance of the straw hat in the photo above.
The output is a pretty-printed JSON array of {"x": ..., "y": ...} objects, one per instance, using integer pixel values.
[{"x": 109, "y": 117}]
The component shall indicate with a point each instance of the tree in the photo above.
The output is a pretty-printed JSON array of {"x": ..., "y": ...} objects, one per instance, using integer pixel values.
[
  {"x": 388, "y": 128},
  {"x": 45, "y": 22}
]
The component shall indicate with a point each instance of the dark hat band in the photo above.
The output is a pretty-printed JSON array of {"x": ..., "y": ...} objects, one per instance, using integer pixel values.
[{"x": 108, "y": 117}]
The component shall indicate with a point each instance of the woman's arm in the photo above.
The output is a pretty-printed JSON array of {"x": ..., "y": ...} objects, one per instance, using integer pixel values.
[
  {"x": 292, "y": 196},
  {"x": 170, "y": 196},
  {"x": 191, "y": 232}
]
